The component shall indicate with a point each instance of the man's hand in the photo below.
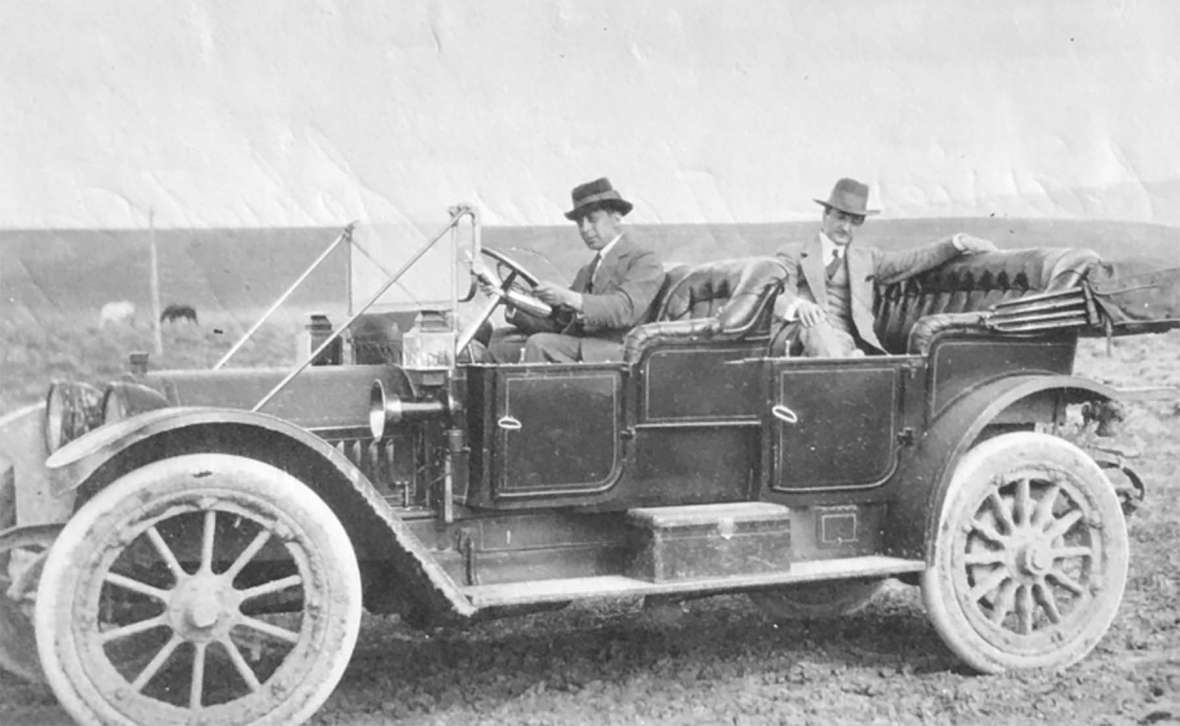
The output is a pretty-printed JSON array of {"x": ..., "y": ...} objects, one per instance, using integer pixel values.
[
  {"x": 809, "y": 313},
  {"x": 970, "y": 245},
  {"x": 485, "y": 280},
  {"x": 547, "y": 292}
]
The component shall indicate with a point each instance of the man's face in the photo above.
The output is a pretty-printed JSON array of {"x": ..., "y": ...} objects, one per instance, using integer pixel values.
[
  {"x": 838, "y": 225},
  {"x": 598, "y": 227}
]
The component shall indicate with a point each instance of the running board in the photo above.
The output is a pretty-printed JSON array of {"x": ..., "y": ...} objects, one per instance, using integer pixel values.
[{"x": 578, "y": 588}]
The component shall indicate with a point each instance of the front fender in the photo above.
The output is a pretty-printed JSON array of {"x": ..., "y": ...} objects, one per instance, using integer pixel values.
[
  {"x": 926, "y": 473},
  {"x": 377, "y": 532}
]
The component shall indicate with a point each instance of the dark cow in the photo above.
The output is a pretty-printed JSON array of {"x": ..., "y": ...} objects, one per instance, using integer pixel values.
[{"x": 178, "y": 312}]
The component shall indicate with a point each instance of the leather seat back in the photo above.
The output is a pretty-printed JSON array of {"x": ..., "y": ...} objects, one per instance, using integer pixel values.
[
  {"x": 727, "y": 299},
  {"x": 974, "y": 284}
]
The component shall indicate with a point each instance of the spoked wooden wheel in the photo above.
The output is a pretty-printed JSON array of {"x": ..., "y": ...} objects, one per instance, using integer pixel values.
[
  {"x": 817, "y": 600},
  {"x": 202, "y": 588},
  {"x": 1030, "y": 555}
]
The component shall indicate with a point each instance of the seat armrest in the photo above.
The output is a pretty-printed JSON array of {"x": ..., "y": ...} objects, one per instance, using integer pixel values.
[
  {"x": 649, "y": 335},
  {"x": 929, "y": 327}
]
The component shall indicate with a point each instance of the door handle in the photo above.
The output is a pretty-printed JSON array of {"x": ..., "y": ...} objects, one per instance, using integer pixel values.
[
  {"x": 784, "y": 414},
  {"x": 508, "y": 423}
]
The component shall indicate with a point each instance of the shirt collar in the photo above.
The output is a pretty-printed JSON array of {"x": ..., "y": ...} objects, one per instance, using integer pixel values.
[
  {"x": 608, "y": 246},
  {"x": 828, "y": 247}
]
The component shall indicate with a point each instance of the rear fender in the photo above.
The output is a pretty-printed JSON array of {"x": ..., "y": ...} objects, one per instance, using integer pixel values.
[
  {"x": 96, "y": 459},
  {"x": 926, "y": 473}
]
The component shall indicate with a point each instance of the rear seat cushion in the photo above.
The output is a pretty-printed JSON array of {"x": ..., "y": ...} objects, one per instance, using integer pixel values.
[{"x": 973, "y": 284}]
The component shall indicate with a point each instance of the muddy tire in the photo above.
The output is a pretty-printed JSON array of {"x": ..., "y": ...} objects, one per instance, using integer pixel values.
[
  {"x": 1029, "y": 556},
  {"x": 201, "y": 588},
  {"x": 817, "y": 600}
]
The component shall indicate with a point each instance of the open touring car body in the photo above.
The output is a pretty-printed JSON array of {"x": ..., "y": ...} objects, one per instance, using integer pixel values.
[{"x": 707, "y": 460}]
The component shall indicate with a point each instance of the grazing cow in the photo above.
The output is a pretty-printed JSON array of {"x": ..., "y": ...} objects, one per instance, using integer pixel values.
[
  {"x": 119, "y": 312},
  {"x": 175, "y": 311}
]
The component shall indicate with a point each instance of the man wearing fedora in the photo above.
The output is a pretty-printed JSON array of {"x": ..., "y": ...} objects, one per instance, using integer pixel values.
[
  {"x": 611, "y": 294},
  {"x": 827, "y": 305}
]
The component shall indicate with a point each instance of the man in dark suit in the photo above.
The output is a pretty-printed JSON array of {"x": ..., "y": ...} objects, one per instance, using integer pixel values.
[
  {"x": 610, "y": 295},
  {"x": 828, "y": 302}
]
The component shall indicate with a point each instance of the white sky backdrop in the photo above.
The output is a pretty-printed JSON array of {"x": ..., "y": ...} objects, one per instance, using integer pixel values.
[{"x": 304, "y": 113}]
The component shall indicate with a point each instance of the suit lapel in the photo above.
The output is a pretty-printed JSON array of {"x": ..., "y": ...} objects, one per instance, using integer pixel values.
[{"x": 812, "y": 264}]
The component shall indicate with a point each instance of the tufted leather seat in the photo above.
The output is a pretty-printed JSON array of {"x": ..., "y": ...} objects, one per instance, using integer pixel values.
[
  {"x": 954, "y": 293},
  {"x": 727, "y": 299}
]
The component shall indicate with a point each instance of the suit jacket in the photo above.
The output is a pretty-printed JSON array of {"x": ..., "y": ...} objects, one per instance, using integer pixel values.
[
  {"x": 867, "y": 266},
  {"x": 625, "y": 287}
]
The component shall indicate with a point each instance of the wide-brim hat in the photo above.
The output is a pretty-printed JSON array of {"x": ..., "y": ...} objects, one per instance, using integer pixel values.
[
  {"x": 598, "y": 194},
  {"x": 850, "y": 197}
]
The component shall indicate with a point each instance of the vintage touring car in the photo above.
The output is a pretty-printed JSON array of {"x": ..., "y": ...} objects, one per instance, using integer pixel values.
[{"x": 199, "y": 545}]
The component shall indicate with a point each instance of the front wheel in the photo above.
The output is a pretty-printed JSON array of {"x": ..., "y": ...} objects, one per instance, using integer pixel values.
[
  {"x": 201, "y": 588},
  {"x": 1029, "y": 557}
]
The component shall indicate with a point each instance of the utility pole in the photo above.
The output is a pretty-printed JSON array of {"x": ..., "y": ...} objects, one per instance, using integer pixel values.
[{"x": 155, "y": 259}]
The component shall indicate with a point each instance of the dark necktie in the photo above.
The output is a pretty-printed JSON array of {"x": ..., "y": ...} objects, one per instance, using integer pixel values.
[
  {"x": 593, "y": 269},
  {"x": 834, "y": 265}
]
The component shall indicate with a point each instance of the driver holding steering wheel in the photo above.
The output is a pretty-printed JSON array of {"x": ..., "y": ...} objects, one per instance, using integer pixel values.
[{"x": 610, "y": 295}]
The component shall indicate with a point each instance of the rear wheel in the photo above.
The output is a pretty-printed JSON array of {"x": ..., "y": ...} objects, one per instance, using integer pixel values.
[
  {"x": 1030, "y": 555},
  {"x": 816, "y": 600},
  {"x": 200, "y": 588}
]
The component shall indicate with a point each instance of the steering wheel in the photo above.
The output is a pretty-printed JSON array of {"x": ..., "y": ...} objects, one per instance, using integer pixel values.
[{"x": 514, "y": 284}]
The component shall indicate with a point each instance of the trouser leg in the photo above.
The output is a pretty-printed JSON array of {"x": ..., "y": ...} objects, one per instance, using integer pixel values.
[
  {"x": 552, "y": 348},
  {"x": 507, "y": 345},
  {"x": 823, "y": 341}
]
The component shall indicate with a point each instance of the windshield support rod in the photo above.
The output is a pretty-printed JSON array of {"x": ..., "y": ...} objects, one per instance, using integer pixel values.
[
  {"x": 345, "y": 235},
  {"x": 457, "y": 214}
]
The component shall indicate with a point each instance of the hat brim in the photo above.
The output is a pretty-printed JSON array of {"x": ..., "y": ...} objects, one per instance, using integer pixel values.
[
  {"x": 859, "y": 213},
  {"x": 622, "y": 206}
]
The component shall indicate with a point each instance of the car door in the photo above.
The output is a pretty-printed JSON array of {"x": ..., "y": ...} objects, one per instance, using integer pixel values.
[
  {"x": 555, "y": 430},
  {"x": 833, "y": 424}
]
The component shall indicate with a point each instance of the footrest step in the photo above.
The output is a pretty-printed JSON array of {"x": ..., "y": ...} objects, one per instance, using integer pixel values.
[{"x": 605, "y": 586}]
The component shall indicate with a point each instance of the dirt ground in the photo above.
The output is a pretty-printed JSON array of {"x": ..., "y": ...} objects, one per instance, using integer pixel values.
[{"x": 720, "y": 660}]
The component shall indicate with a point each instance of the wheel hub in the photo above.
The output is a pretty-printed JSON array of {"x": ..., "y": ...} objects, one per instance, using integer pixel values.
[
  {"x": 1036, "y": 559},
  {"x": 200, "y": 606}
]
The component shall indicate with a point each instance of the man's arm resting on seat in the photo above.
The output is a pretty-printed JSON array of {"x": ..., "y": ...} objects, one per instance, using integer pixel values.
[{"x": 895, "y": 266}]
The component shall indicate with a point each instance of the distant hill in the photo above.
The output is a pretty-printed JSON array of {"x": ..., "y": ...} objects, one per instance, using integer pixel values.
[{"x": 236, "y": 269}]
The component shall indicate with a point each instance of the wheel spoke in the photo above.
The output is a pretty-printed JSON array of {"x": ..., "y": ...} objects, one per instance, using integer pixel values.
[
  {"x": 1063, "y": 525},
  {"x": 1061, "y": 553},
  {"x": 1067, "y": 582},
  {"x": 207, "y": 540},
  {"x": 1003, "y": 514},
  {"x": 1044, "y": 510},
  {"x": 149, "y": 671},
  {"x": 1024, "y": 608},
  {"x": 984, "y": 557},
  {"x": 240, "y": 664},
  {"x": 133, "y": 629},
  {"x": 988, "y": 584},
  {"x": 987, "y": 531},
  {"x": 1048, "y": 602},
  {"x": 166, "y": 553},
  {"x": 266, "y": 628},
  {"x": 197, "y": 686},
  {"x": 1002, "y": 605},
  {"x": 267, "y": 588},
  {"x": 1022, "y": 506},
  {"x": 142, "y": 588},
  {"x": 252, "y": 549}
]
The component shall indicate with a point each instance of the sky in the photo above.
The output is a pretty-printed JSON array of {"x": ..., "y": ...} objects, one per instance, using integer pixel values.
[{"x": 294, "y": 112}]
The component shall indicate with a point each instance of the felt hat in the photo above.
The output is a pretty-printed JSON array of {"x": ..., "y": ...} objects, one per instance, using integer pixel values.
[
  {"x": 597, "y": 194},
  {"x": 850, "y": 197}
]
